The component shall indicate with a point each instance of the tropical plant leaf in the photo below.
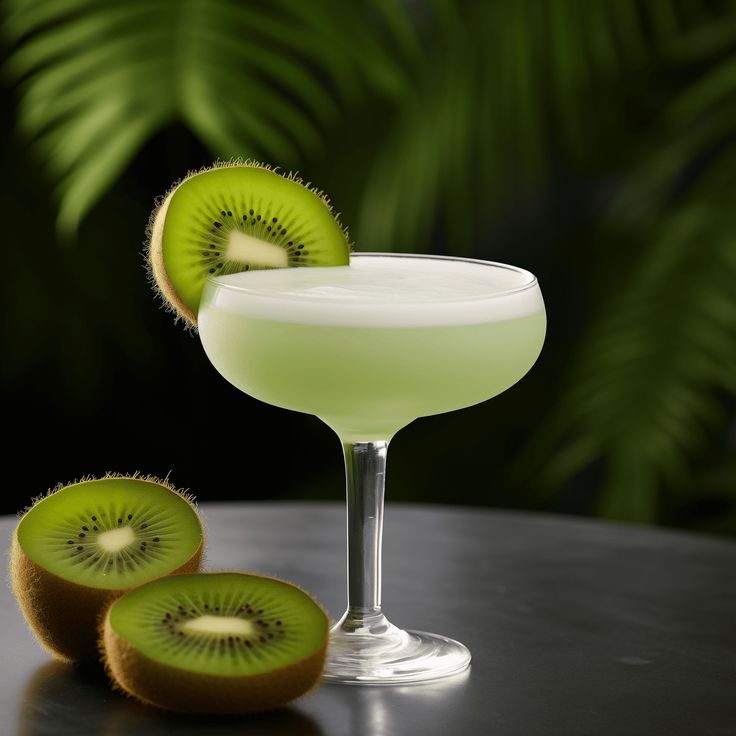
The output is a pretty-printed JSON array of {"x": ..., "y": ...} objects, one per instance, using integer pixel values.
[
  {"x": 97, "y": 80},
  {"x": 488, "y": 115},
  {"x": 646, "y": 389}
]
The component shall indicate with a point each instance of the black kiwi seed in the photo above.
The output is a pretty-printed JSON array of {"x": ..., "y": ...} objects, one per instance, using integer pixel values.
[
  {"x": 120, "y": 521},
  {"x": 79, "y": 549},
  {"x": 70, "y": 541},
  {"x": 85, "y": 528},
  {"x": 94, "y": 518},
  {"x": 81, "y": 534},
  {"x": 130, "y": 516}
]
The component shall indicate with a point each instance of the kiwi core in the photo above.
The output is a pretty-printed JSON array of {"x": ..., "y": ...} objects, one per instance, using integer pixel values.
[
  {"x": 244, "y": 248},
  {"x": 228, "y": 625},
  {"x": 116, "y": 539}
]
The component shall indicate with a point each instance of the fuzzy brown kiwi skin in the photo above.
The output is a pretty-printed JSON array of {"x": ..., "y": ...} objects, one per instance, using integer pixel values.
[
  {"x": 180, "y": 691},
  {"x": 64, "y": 616},
  {"x": 154, "y": 252}
]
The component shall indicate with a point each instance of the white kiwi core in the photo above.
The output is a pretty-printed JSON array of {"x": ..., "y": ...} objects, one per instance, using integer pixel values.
[
  {"x": 228, "y": 625},
  {"x": 116, "y": 539},
  {"x": 244, "y": 248}
]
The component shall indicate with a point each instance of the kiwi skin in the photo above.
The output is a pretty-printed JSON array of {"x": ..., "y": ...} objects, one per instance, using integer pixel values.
[
  {"x": 63, "y": 615},
  {"x": 154, "y": 253},
  {"x": 174, "y": 689}
]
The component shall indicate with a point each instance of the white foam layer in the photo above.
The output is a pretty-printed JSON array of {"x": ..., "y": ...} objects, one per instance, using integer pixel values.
[{"x": 381, "y": 291}]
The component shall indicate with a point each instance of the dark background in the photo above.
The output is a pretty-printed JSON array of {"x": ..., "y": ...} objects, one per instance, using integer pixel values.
[{"x": 592, "y": 143}]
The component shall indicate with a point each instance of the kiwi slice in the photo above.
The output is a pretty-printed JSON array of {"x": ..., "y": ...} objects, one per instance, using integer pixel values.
[
  {"x": 234, "y": 217},
  {"x": 86, "y": 543},
  {"x": 215, "y": 642}
]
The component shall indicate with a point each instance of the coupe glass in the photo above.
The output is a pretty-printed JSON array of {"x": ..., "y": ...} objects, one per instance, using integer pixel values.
[{"x": 368, "y": 361}]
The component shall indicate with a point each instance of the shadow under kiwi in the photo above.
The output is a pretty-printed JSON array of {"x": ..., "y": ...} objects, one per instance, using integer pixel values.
[{"x": 62, "y": 699}]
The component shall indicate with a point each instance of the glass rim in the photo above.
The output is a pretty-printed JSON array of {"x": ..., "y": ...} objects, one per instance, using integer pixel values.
[{"x": 216, "y": 280}]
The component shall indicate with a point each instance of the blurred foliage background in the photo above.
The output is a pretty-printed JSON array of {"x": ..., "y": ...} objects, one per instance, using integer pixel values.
[{"x": 589, "y": 141}]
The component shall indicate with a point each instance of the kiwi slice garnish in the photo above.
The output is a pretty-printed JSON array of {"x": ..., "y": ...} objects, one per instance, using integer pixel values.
[
  {"x": 215, "y": 642},
  {"x": 233, "y": 217},
  {"x": 86, "y": 543}
]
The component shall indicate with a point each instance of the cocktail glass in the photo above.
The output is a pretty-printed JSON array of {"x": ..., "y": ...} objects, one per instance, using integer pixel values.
[{"x": 368, "y": 348}]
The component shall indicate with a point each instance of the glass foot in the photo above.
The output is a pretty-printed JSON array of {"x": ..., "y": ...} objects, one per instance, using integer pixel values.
[{"x": 370, "y": 650}]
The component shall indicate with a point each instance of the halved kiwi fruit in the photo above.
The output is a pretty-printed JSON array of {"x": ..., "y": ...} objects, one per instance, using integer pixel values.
[
  {"x": 86, "y": 543},
  {"x": 215, "y": 642},
  {"x": 238, "y": 216}
]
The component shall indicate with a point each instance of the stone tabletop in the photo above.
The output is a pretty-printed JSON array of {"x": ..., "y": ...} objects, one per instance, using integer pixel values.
[{"x": 577, "y": 628}]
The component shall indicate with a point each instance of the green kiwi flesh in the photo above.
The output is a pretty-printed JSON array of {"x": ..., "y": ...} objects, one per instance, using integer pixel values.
[
  {"x": 111, "y": 533},
  {"x": 84, "y": 544},
  {"x": 238, "y": 217},
  {"x": 215, "y": 642}
]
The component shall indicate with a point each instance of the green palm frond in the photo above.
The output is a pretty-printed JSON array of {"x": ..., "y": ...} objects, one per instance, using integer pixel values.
[
  {"x": 510, "y": 88},
  {"x": 264, "y": 80},
  {"x": 647, "y": 387}
]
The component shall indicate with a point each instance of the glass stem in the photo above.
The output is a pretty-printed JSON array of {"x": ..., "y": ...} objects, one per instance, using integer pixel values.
[{"x": 365, "y": 472}]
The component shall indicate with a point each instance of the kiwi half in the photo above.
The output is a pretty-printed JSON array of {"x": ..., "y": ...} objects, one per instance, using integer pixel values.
[
  {"x": 215, "y": 642},
  {"x": 86, "y": 543},
  {"x": 233, "y": 217}
]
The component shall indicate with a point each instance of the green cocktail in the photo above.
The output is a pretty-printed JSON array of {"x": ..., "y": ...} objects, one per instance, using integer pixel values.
[
  {"x": 371, "y": 365},
  {"x": 368, "y": 348}
]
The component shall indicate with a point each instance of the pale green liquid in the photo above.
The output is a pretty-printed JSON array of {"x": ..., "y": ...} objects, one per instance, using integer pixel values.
[{"x": 368, "y": 382}]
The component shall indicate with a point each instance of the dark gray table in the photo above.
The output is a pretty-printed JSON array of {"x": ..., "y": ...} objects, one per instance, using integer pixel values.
[{"x": 576, "y": 627}]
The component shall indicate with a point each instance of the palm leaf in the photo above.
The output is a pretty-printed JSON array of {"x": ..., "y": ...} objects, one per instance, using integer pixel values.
[
  {"x": 488, "y": 114},
  {"x": 645, "y": 392},
  {"x": 97, "y": 80}
]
